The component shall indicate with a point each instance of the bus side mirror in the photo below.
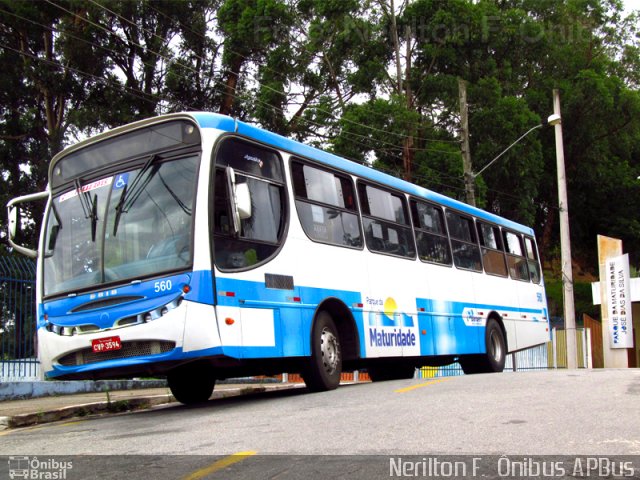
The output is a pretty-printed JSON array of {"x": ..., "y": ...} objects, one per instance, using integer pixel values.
[
  {"x": 243, "y": 200},
  {"x": 13, "y": 221},
  {"x": 240, "y": 198}
]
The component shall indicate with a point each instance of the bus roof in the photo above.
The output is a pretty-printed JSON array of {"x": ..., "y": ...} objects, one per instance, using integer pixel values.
[
  {"x": 224, "y": 123},
  {"x": 228, "y": 124}
]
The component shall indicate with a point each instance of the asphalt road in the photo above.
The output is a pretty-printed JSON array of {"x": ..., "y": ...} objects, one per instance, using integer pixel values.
[{"x": 575, "y": 413}]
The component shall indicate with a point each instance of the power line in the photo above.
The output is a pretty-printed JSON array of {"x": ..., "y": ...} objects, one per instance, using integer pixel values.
[
  {"x": 374, "y": 129},
  {"x": 132, "y": 91},
  {"x": 235, "y": 96},
  {"x": 145, "y": 96}
]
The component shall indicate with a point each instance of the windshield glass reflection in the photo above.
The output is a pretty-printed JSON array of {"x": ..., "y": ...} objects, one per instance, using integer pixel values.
[{"x": 153, "y": 234}]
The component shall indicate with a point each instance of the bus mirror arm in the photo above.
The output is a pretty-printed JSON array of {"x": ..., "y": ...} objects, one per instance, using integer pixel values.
[{"x": 15, "y": 218}]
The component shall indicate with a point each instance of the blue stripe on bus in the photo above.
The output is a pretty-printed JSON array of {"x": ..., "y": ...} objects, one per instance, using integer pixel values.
[
  {"x": 174, "y": 355},
  {"x": 443, "y": 321},
  {"x": 221, "y": 122},
  {"x": 438, "y": 324},
  {"x": 139, "y": 298}
]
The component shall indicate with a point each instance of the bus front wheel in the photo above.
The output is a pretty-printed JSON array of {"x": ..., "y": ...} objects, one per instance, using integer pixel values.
[
  {"x": 494, "y": 359},
  {"x": 191, "y": 383},
  {"x": 324, "y": 368}
]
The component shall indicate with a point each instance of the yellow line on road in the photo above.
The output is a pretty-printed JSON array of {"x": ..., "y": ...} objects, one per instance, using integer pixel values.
[
  {"x": 420, "y": 385},
  {"x": 219, "y": 465},
  {"x": 75, "y": 422}
]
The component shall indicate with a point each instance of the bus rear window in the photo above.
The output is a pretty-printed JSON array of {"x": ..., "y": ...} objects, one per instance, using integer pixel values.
[{"x": 532, "y": 260}]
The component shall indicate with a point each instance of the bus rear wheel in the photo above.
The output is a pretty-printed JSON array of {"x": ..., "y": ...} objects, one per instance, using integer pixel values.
[
  {"x": 325, "y": 365},
  {"x": 494, "y": 359},
  {"x": 191, "y": 383}
]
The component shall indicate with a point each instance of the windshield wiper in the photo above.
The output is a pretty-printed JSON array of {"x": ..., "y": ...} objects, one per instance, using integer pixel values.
[
  {"x": 130, "y": 195},
  {"x": 89, "y": 207}
]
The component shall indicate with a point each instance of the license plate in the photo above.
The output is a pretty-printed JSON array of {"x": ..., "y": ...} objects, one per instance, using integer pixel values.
[{"x": 107, "y": 344}]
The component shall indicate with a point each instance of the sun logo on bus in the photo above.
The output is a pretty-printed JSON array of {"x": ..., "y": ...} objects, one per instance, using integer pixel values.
[
  {"x": 390, "y": 316},
  {"x": 390, "y": 308}
]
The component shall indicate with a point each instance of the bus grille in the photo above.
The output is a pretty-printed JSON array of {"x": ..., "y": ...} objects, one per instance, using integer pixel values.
[{"x": 129, "y": 349}]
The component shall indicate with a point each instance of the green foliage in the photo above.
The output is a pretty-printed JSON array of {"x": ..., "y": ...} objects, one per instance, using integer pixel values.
[
  {"x": 583, "y": 299},
  {"x": 325, "y": 72}
]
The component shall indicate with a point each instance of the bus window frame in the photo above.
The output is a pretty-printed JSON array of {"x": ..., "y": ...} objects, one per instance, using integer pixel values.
[
  {"x": 416, "y": 229},
  {"x": 363, "y": 182},
  {"x": 336, "y": 174},
  {"x": 499, "y": 241},
  {"x": 286, "y": 210},
  {"x": 536, "y": 258},
  {"x": 474, "y": 241},
  {"x": 169, "y": 155},
  {"x": 509, "y": 255}
]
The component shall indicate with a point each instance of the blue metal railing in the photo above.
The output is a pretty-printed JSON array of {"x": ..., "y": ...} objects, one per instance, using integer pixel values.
[{"x": 18, "y": 348}]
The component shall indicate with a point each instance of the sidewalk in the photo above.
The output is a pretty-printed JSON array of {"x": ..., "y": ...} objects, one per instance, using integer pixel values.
[{"x": 22, "y": 413}]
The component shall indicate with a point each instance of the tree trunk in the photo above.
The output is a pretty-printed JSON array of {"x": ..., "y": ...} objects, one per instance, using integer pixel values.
[{"x": 229, "y": 96}]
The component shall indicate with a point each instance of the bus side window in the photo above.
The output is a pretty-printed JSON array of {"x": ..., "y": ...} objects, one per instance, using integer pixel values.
[
  {"x": 259, "y": 235},
  {"x": 326, "y": 206},
  {"x": 386, "y": 222},
  {"x": 515, "y": 257},
  {"x": 532, "y": 260},
  {"x": 431, "y": 235},
  {"x": 466, "y": 253},
  {"x": 492, "y": 251}
]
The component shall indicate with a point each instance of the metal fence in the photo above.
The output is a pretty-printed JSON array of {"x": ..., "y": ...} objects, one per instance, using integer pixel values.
[
  {"x": 18, "y": 319},
  {"x": 551, "y": 355}
]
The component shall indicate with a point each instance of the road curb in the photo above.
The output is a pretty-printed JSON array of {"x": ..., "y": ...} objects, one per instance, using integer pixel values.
[
  {"x": 120, "y": 406},
  {"x": 49, "y": 388}
]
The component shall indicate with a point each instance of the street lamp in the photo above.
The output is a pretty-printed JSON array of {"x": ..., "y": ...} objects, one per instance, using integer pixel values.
[{"x": 553, "y": 120}]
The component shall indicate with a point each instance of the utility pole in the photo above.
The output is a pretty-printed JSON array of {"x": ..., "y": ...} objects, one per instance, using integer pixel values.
[
  {"x": 469, "y": 179},
  {"x": 565, "y": 244},
  {"x": 396, "y": 45},
  {"x": 407, "y": 154}
]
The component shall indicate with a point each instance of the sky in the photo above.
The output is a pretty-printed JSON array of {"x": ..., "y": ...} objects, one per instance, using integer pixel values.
[{"x": 631, "y": 5}]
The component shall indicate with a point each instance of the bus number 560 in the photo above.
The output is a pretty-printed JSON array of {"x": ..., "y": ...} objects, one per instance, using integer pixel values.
[{"x": 163, "y": 286}]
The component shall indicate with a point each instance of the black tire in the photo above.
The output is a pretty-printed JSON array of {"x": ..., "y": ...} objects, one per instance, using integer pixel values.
[
  {"x": 494, "y": 359},
  {"x": 382, "y": 373},
  {"x": 325, "y": 365},
  {"x": 191, "y": 383}
]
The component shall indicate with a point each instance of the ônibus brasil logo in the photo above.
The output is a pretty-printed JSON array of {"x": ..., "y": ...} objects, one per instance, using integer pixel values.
[{"x": 37, "y": 469}]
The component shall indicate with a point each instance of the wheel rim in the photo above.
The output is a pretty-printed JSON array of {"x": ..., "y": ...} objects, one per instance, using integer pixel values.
[
  {"x": 330, "y": 349},
  {"x": 496, "y": 345}
]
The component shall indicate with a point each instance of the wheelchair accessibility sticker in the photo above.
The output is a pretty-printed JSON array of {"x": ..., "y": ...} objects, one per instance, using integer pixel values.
[{"x": 121, "y": 181}]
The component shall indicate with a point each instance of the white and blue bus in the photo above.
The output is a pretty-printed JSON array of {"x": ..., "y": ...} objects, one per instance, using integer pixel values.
[{"x": 199, "y": 247}]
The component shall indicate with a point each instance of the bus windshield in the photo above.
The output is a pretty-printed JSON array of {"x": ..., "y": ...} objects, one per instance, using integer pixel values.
[{"x": 126, "y": 226}]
